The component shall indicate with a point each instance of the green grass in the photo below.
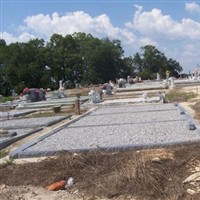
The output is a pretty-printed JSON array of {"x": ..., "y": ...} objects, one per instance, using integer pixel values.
[
  {"x": 179, "y": 96},
  {"x": 6, "y": 163},
  {"x": 45, "y": 114},
  {"x": 4, "y": 99},
  {"x": 3, "y": 153}
]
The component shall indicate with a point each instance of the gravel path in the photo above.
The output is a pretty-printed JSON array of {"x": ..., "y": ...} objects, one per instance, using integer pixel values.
[{"x": 122, "y": 126}]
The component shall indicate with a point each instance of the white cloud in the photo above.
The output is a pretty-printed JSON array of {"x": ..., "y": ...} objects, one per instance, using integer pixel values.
[
  {"x": 154, "y": 24},
  {"x": 147, "y": 41},
  {"x": 192, "y": 7},
  {"x": 69, "y": 23},
  {"x": 10, "y": 38},
  {"x": 79, "y": 21}
]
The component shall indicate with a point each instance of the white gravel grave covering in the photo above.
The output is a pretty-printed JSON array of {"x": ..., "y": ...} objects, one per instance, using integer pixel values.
[
  {"x": 19, "y": 132},
  {"x": 121, "y": 126},
  {"x": 116, "y": 136},
  {"x": 28, "y": 122},
  {"x": 13, "y": 113}
]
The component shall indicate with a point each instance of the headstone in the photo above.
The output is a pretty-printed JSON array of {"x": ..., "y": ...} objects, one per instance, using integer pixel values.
[
  {"x": 145, "y": 96},
  {"x": 94, "y": 96},
  {"x": 107, "y": 89},
  {"x": 34, "y": 94},
  {"x": 121, "y": 83},
  {"x": 171, "y": 83},
  {"x": 60, "y": 85},
  {"x": 162, "y": 97},
  {"x": 167, "y": 75},
  {"x": 158, "y": 77}
]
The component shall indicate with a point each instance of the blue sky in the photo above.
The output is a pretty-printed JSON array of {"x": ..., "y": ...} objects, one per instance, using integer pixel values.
[{"x": 172, "y": 26}]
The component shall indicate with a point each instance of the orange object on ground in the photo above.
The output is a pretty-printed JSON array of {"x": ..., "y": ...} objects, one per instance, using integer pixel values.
[{"x": 56, "y": 186}]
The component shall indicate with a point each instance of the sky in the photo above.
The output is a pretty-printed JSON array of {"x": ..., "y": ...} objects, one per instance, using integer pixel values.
[{"x": 172, "y": 26}]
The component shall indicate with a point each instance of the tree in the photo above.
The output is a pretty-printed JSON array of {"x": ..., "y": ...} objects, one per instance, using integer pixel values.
[
  {"x": 64, "y": 57},
  {"x": 152, "y": 61}
]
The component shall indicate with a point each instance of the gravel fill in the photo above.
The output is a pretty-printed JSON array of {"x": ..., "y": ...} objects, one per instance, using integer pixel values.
[
  {"x": 135, "y": 108},
  {"x": 118, "y": 135},
  {"x": 28, "y": 122},
  {"x": 13, "y": 113},
  {"x": 20, "y": 132},
  {"x": 121, "y": 126}
]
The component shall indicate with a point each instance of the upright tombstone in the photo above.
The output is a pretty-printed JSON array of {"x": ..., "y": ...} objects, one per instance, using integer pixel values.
[
  {"x": 121, "y": 83},
  {"x": 94, "y": 96},
  {"x": 145, "y": 96},
  {"x": 107, "y": 89},
  {"x": 167, "y": 75},
  {"x": 158, "y": 77},
  {"x": 171, "y": 83},
  {"x": 61, "y": 85},
  {"x": 162, "y": 96}
]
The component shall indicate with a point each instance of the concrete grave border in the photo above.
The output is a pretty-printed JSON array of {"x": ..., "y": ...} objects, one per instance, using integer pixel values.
[
  {"x": 19, "y": 153},
  {"x": 9, "y": 141},
  {"x": 50, "y": 123}
]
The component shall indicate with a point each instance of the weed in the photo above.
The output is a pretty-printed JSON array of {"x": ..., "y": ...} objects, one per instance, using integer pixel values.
[
  {"x": 4, "y": 99},
  {"x": 6, "y": 163},
  {"x": 179, "y": 96},
  {"x": 3, "y": 153}
]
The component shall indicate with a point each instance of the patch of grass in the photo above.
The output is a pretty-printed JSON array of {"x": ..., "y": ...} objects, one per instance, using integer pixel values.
[
  {"x": 179, "y": 96},
  {"x": 196, "y": 108},
  {"x": 4, "y": 99},
  {"x": 45, "y": 114},
  {"x": 6, "y": 163},
  {"x": 3, "y": 153}
]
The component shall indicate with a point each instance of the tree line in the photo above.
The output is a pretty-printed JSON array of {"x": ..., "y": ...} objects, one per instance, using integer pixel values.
[{"x": 77, "y": 58}]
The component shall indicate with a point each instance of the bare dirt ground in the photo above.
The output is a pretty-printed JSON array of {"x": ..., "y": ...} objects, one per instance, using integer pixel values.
[{"x": 166, "y": 173}]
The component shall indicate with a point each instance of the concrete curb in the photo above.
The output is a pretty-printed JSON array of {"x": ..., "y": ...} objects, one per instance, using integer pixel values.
[
  {"x": 25, "y": 113},
  {"x": 47, "y": 124},
  {"x": 32, "y": 154},
  {"x": 56, "y": 121},
  {"x": 10, "y": 141}
]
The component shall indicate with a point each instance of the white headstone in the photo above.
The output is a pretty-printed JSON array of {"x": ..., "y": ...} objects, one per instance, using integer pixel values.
[
  {"x": 61, "y": 85},
  {"x": 158, "y": 77},
  {"x": 94, "y": 96}
]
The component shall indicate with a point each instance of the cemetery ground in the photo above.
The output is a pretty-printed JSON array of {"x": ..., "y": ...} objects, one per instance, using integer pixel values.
[{"x": 147, "y": 174}]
